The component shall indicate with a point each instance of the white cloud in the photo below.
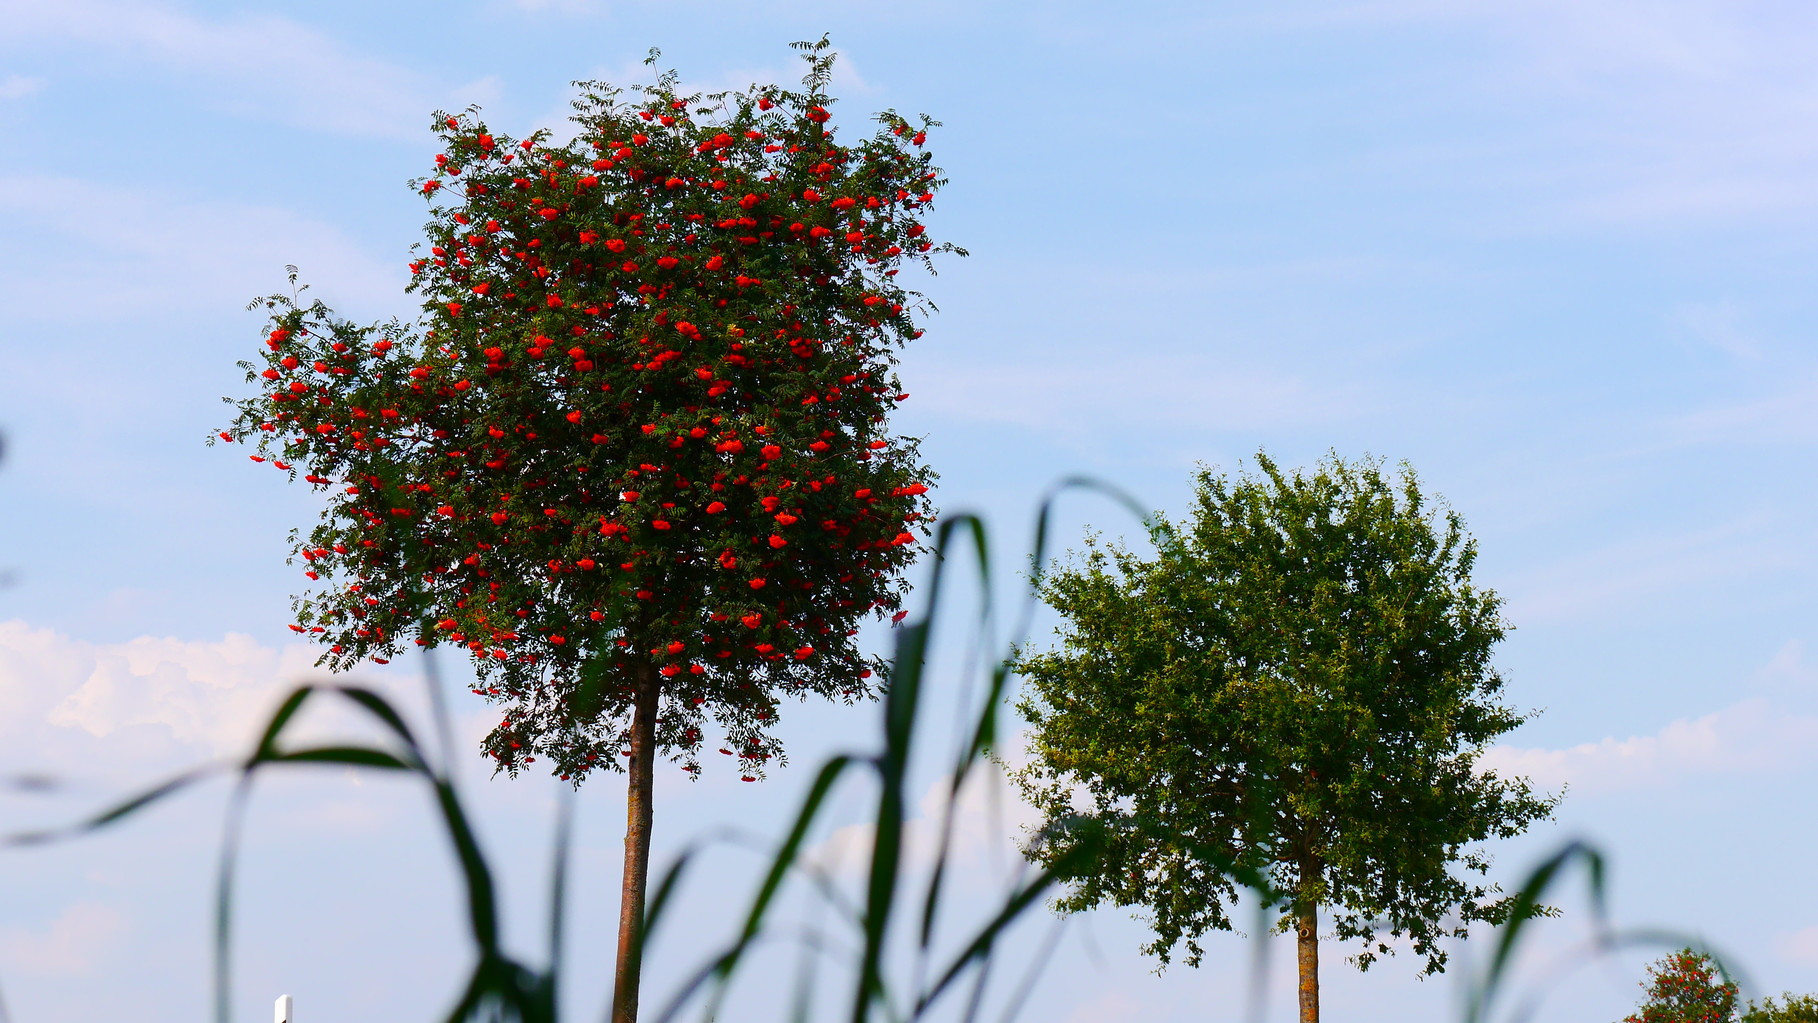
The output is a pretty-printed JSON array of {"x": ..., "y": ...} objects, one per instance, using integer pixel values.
[
  {"x": 69, "y": 707},
  {"x": 1750, "y": 736},
  {"x": 1789, "y": 669},
  {"x": 17, "y": 86},
  {"x": 163, "y": 252},
  {"x": 70, "y": 946},
  {"x": 272, "y": 65}
]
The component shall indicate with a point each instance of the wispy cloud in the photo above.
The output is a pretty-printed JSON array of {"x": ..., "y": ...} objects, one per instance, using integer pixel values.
[
  {"x": 71, "y": 945},
  {"x": 18, "y": 86},
  {"x": 1786, "y": 414},
  {"x": 1686, "y": 110},
  {"x": 274, "y": 66},
  {"x": 134, "y": 251},
  {"x": 1750, "y": 736},
  {"x": 1081, "y": 396},
  {"x": 1621, "y": 113},
  {"x": 1651, "y": 567}
]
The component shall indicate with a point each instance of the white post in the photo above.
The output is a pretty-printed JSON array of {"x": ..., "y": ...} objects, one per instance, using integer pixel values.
[{"x": 281, "y": 1011}]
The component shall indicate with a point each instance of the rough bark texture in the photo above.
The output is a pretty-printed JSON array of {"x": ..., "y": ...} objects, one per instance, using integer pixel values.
[
  {"x": 637, "y": 849},
  {"x": 1308, "y": 947},
  {"x": 1306, "y": 934}
]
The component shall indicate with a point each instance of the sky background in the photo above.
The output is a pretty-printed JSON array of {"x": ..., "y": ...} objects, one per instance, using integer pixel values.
[{"x": 1557, "y": 254}]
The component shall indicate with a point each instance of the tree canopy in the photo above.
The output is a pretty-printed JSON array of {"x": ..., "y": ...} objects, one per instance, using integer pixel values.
[
  {"x": 642, "y": 422},
  {"x": 1686, "y": 987},
  {"x": 1297, "y": 682}
]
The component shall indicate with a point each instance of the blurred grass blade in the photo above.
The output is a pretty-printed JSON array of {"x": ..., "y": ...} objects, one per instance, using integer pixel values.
[
  {"x": 118, "y": 811},
  {"x": 901, "y": 702},
  {"x": 984, "y": 732},
  {"x": 1524, "y": 906},
  {"x": 498, "y": 985},
  {"x": 558, "y": 892},
  {"x": 721, "y": 967},
  {"x": 1037, "y": 966},
  {"x": 224, "y": 884},
  {"x": 353, "y": 756},
  {"x": 379, "y": 708},
  {"x": 981, "y": 944},
  {"x": 280, "y": 719}
]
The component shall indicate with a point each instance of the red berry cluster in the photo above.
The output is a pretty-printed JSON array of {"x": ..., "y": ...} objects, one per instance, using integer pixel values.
[
  {"x": 643, "y": 422},
  {"x": 1686, "y": 987}
]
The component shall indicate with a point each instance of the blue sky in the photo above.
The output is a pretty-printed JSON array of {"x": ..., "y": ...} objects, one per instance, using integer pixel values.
[{"x": 1557, "y": 255}]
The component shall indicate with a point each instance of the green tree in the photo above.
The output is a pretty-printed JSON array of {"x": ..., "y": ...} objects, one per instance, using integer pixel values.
[
  {"x": 1686, "y": 987},
  {"x": 635, "y": 458},
  {"x": 1790, "y": 1009},
  {"x": 1296, "y": 684}
]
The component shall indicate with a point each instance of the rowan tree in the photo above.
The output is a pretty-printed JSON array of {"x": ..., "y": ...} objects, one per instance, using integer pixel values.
[
  {"x": 1296, "y": 685},
  {"x": 1686, "y": 987},
  {"x": 635, "y": 455}
]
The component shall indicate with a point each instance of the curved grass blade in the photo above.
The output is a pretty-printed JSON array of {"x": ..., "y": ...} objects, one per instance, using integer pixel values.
[
  {"x": 119, "y": 811},
  {"x": 1525, "y": 906},
  {"x": 1020, "y": 996},
  {"x": 558, "y": 888},
  {"x": 720, "y": 969},
  {"x": 353, "y": 756},
  {"x": 900, "y": 706},
  {"x": 984, "y": 732},
  {"x": 1616, "y": 941},
  {"x": 497, "y": 982}
]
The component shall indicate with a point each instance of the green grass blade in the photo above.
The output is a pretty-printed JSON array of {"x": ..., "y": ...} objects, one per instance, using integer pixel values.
[
  {"x": 224, "y": 889},
  {"x": 558, "y": 894},
  {"x": 721, "y": 968},
  {"x": 354, "y": 756},
  {"x": 1524, "y": 906},
  {"x": 118, "y": 811}
]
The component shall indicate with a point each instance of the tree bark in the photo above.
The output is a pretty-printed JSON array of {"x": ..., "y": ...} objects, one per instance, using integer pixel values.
[
  {"x": 637, "y": 849},
  {"x": 1306, "y": 937}
]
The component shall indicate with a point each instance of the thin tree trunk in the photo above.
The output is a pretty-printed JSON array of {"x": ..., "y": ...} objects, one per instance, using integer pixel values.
[
  {"x": 1306, "y": 936},
  {"x": 637, "y": 849}
]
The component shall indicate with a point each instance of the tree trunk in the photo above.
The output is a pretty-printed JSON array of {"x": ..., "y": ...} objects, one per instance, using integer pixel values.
[
  {"x": 637, "y": 849},
  {"x": 1306, "y": 937}
]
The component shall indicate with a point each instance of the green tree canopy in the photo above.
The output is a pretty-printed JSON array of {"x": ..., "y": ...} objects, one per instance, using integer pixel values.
[
  {"x": 1788, "y": 1008},
  {"x": 1296, "y": 683}
]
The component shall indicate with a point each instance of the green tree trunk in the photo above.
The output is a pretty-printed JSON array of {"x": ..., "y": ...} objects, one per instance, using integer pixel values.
[{"x": 637, "y": 849}]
